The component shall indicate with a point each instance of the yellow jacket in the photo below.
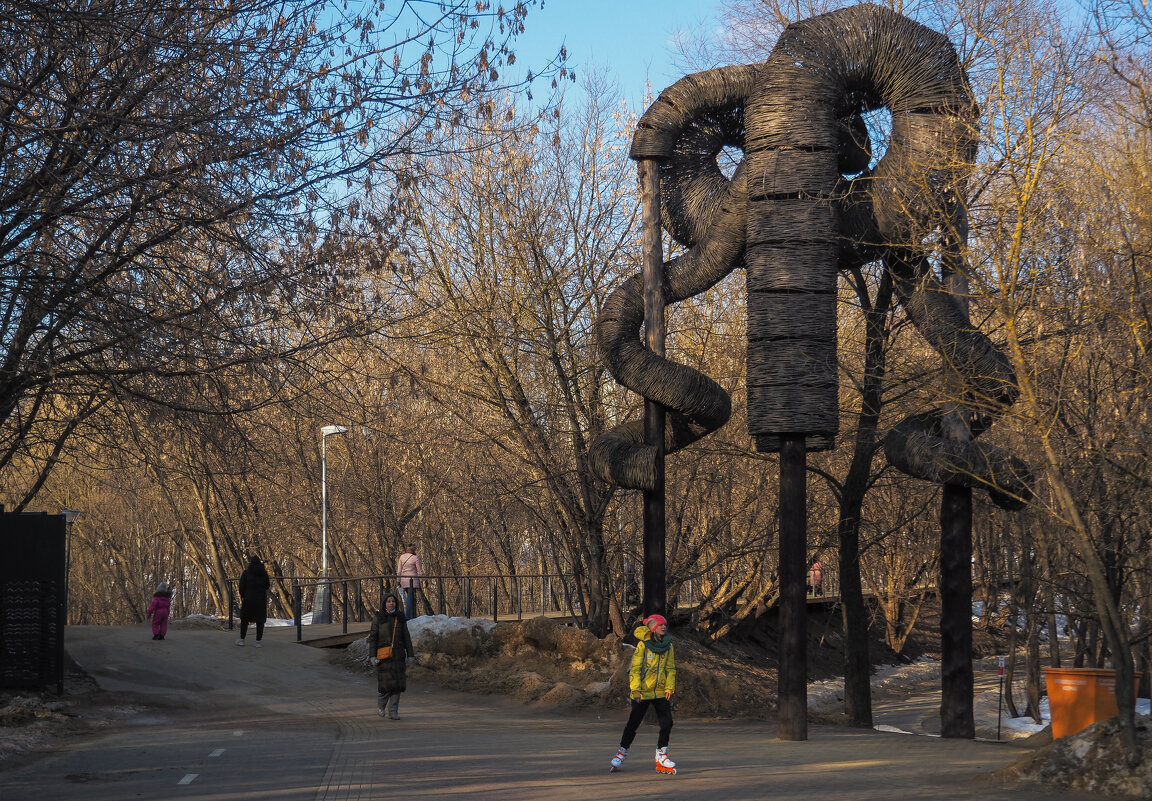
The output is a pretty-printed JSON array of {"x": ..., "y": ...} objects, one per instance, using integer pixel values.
[{"x": 652, "y": 674}]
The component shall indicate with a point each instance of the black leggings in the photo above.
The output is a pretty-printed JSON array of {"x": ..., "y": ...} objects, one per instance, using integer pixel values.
[
  {"x": 259, "y": 629},
  {"x": 663, "y": 715}
]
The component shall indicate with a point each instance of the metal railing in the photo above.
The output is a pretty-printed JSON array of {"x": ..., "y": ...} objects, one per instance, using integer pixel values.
[
  {"x": 495, "y": 596},
  {"x": 355, "y": 598}
]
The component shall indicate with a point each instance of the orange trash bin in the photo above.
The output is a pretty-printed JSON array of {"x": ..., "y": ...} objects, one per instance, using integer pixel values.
[{"x": 1079, "y": 697}]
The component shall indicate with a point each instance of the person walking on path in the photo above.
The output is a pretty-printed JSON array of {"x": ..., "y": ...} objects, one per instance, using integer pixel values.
[
  {"x": 159, "y": 610},
  {"x": 409, "y": 571},
  {"x": 651, "y": 683},
  {"x": 390, "y": 646},
  {"x": 816, "y": 578},
  {"x": 254, "y": 586}
]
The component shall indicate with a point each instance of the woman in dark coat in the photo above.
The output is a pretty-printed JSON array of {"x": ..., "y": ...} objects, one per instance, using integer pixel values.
[
  {"x": 390, "y": 627},
  {"x": 254, "y": 585}
]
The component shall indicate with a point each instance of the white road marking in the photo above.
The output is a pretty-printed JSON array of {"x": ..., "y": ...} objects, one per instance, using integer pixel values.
[
  {"x": 191, "y": 777},
  {"x": 217, "y": 752}
]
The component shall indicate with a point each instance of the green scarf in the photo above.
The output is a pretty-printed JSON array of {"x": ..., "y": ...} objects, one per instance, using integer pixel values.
[{"x": 659, "y": 646}]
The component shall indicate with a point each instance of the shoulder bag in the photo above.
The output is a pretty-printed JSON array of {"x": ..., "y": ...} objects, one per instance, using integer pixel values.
[{"x": 385, "y": 651}]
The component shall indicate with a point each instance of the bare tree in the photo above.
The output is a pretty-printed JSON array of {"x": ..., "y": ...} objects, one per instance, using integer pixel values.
[
  {"x": 510, "y": 247},
  {"x": 167, "y": 170},
  {"x": 1055, "y": 272}
]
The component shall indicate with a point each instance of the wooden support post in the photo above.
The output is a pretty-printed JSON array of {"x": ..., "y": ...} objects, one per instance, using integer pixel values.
[
  {"x": 792, "y": 687},
  {"x": 957, "y": 716},
  {"x": 655, "y": 578}
]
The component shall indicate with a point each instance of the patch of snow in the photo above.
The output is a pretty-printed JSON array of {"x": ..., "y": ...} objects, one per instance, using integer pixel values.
[
  {"x": 201, "y": 617},
  {"x": 828, "y": 695},
  {"x": 442, "y": 624},
  {"x": 891, "y": 729}
]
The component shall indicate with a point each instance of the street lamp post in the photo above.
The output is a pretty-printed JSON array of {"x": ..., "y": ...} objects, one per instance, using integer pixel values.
[
  {"x": 322, "y": 611},
  {"x": 70, "y": 516}
]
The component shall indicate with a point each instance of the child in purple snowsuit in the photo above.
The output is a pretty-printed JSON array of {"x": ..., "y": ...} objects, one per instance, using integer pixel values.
[{"x": 158, "y": 611}]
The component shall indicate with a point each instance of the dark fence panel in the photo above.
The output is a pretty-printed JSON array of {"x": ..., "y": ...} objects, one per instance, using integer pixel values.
[{"x": 33, "y": 600}]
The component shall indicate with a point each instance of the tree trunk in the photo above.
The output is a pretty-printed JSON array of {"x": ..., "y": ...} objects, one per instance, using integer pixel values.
[
  {"x": 857, "y": 663},
  {"x": 1050, "y": 611},
  {"x": 1053, "y": 638},
  {"x": 655, "y": 571},
  {"x": 1032, "y": 688},
  {"x": 1010, "y": 668},
  {"x": 854, "y": 614},
  {"x": 598, "y": 593},
  {"x": 616, "y": 618},
  {"x": 1028, "y": 593}
]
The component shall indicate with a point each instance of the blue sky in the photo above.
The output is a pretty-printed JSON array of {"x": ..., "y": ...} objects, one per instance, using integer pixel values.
[{"x": 631, "y": 39}]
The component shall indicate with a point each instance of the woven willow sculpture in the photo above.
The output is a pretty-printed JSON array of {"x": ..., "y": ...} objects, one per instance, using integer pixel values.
[{"x": 800, "y": 206}]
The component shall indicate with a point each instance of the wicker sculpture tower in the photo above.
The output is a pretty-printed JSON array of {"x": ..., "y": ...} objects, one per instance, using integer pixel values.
[{"x": 802, "y": 205}]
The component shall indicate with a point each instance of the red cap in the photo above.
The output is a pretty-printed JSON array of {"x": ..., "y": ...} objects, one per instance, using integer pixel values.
[{"x": 652, "y": 621}]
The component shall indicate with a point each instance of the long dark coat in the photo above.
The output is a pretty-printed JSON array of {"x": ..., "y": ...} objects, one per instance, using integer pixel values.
[
  {"x": 254, "y": 585},
  {"x": 391, "y": 674}
]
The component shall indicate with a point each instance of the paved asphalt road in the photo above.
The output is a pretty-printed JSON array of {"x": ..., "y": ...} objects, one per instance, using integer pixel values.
[{"x": 208, "y": 721}]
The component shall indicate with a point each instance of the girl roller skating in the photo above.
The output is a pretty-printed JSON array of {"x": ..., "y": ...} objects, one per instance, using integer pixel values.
[{"x": 651, "y": 682}]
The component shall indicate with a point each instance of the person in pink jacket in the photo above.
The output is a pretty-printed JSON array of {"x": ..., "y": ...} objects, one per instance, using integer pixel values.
[
  {"x": 159, "y": 610},
  {"x": 409, "y": 571}
]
